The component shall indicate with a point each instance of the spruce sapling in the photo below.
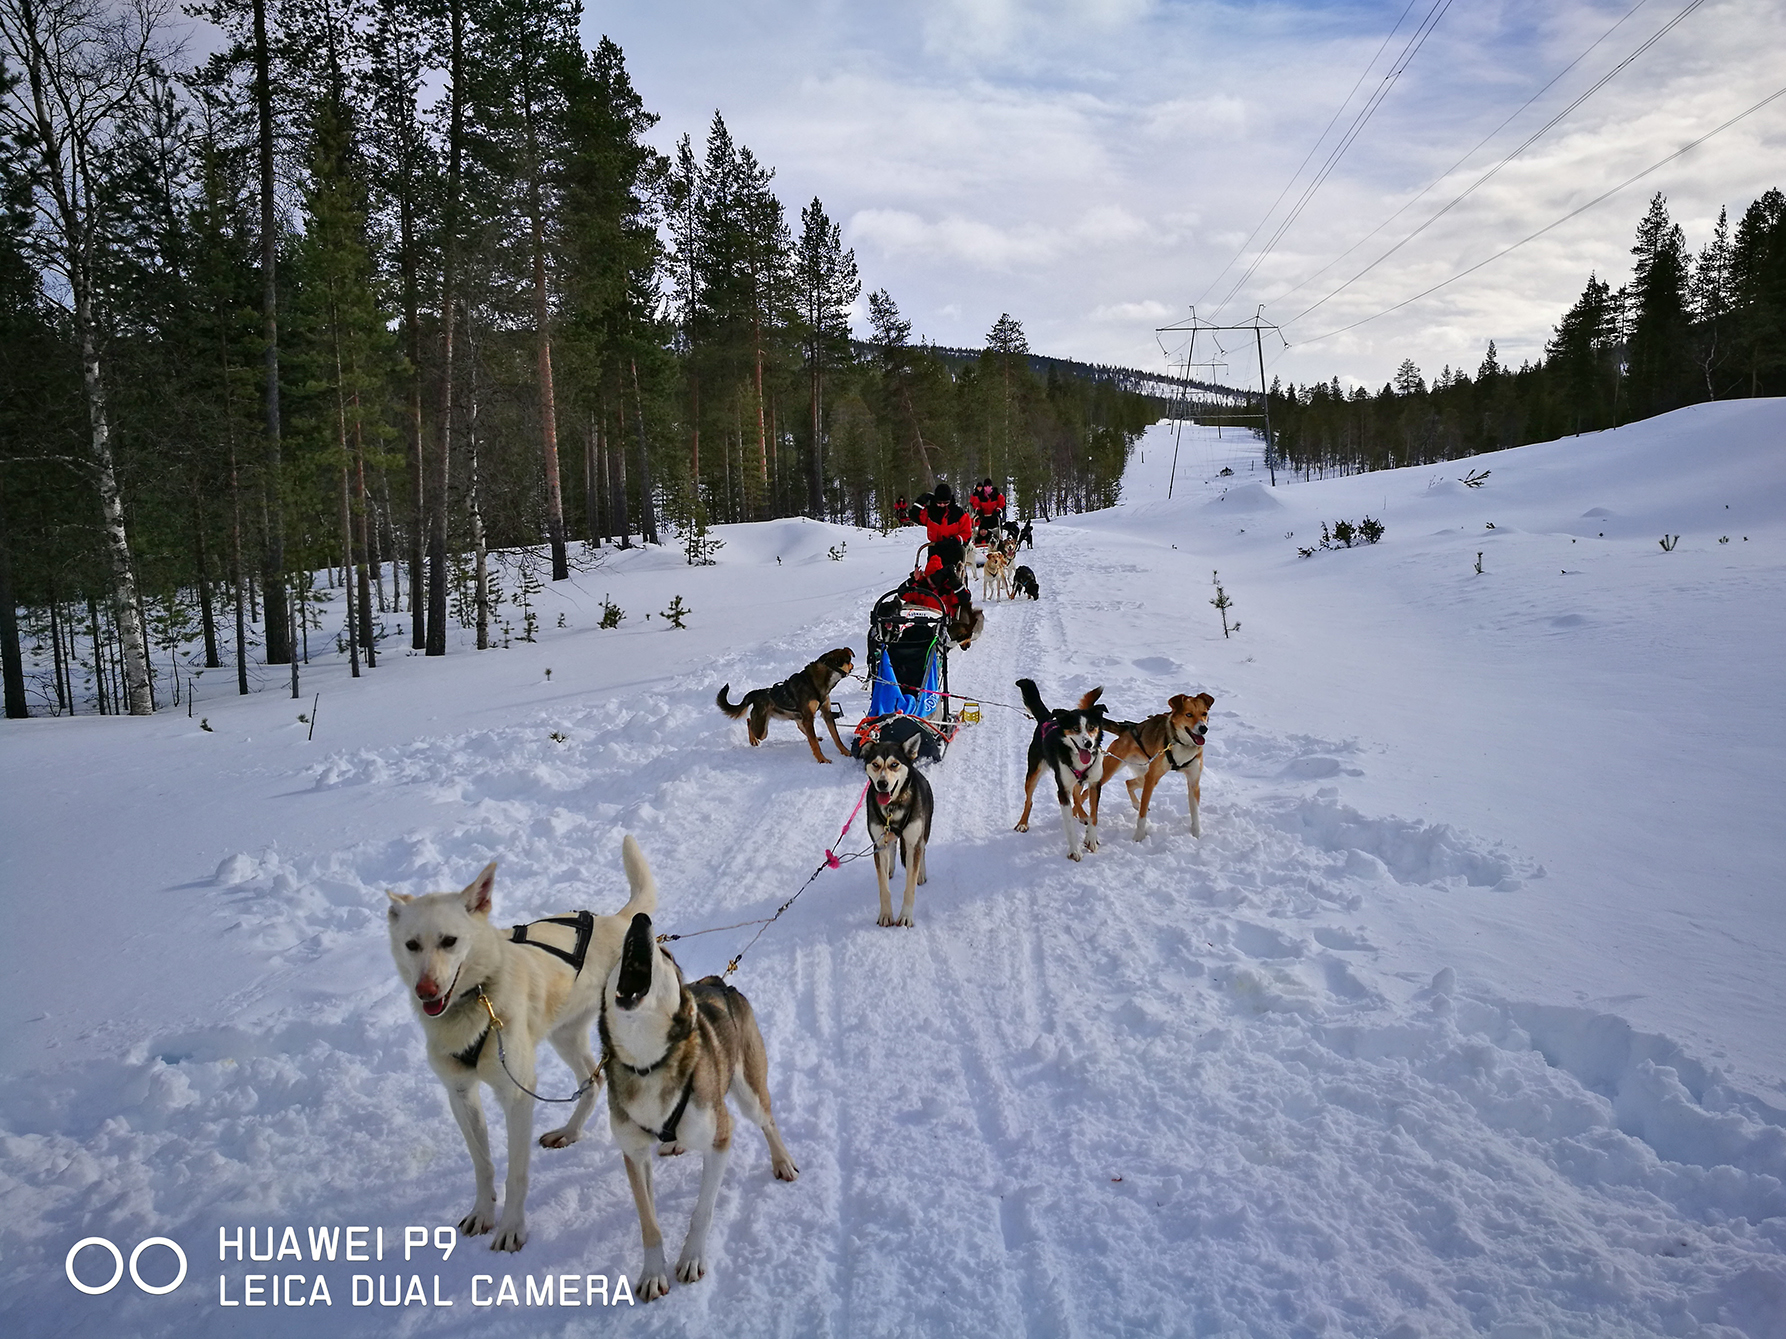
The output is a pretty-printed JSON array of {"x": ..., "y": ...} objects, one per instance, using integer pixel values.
[
  {"x": 611, "y": 614},
  {"x": 1223, "y": 604},
  {"x": 677, "y": 612}
]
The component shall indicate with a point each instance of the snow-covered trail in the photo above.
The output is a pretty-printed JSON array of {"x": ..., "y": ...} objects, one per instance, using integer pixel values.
[{"x": 1181, "y": 1087}]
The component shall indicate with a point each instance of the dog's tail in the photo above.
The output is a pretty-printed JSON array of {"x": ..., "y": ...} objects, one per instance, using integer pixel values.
[
  {"x": 638, "y": 878},
  {"x": 1033, "y": 699},
  {"x": 724, "y": 705}
]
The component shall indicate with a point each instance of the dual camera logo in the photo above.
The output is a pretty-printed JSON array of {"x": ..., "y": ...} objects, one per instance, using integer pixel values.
[{"x": 118, "y": 1266}]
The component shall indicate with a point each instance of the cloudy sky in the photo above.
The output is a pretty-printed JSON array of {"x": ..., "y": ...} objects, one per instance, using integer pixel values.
[{"x": 1093, "y": 166}]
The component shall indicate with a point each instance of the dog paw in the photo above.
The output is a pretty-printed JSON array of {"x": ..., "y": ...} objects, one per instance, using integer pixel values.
[
  {"x": 885, "y": 918},
  {"x": 650, "y": 1287},
  {"x": 1021, "y": 827},
  {"x": 674, "y": 1150},
  {"x": 477, "y": 1222},
  {"x": 510, "y": 1238},
  {"x": 824, "y": 759},
  {"x": 1073, "y": 855},
  {"x": 691, "y": 1269},
  {"x": 904, "y": 921},
  {"x": 562, "y": 1138},
  {"x": 785, "y": 1169}
]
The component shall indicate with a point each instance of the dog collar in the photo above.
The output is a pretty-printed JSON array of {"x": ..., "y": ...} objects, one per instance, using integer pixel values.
[{"x": 677, "y": 1034}]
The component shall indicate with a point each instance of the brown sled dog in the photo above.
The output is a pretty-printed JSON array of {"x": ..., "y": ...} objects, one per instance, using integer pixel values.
[
  {"x": 675, "y": 1051},
  {"x": 797, "y": 698},
  {"x": 1172, "y": 741}
]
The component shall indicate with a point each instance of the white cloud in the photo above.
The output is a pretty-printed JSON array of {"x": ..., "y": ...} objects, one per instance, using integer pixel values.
[{"x": 1067, "y": 162}]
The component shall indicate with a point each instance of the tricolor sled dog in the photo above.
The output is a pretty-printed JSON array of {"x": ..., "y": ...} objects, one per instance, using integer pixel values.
[
  {"x": 673, "y": 1052},
  {"x": 1068, "y": 745},
  {"x": 539, "y": 981}
]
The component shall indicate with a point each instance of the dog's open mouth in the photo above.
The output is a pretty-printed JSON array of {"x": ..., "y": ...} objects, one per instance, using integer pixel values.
[
  {"x": 1085, "y": 757},
  {"x": 435, "y": 1007}
]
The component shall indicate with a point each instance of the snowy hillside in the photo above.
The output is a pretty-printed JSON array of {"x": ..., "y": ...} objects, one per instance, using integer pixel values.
[{"x": 1464, "y": 1017}]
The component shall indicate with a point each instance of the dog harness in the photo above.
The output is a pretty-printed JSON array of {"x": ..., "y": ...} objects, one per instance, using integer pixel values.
[
  {"x": 783, "y": 696},
  {"x": 469, "y": 1056},
  {"x": 583, "y": 922},
  {"x": 1196, "y": 753},
  {"x": 667, "y": 1135},
  {"x": 678, "y": 1032}
]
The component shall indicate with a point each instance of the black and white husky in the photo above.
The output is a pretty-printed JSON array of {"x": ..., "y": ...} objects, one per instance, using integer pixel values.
[
  {"x": 900, "y": 808},
  {"x": 1068, "y": 743}
]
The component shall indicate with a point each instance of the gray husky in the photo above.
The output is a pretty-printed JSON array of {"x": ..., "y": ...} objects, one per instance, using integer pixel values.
[
  {"x": 900, "y": 809},
  {"x": 674, "y": 1052}
]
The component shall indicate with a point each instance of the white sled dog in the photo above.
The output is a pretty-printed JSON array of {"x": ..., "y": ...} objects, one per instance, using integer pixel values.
[
  {"x": 483, "y": 994},
  {"x": 673, "y": 1052}
]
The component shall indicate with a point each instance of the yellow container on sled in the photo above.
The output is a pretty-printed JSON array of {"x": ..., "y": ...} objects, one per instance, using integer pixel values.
[{"x": 970, "y": 713}]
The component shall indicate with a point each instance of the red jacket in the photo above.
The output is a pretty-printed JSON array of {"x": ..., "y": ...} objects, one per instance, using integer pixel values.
[
  {"x": 987, "y": 507},
  {"x": 954, "y": 523}
]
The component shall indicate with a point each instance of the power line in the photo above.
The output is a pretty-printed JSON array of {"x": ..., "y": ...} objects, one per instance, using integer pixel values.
[
  {"x": 1581, "y": 209},
  {"x": 1416, "y": 199},
  {"x": 1378, "y": 95},
  {"x": 1319, "y": 139},
  {"x": 1530, "y": 140}
]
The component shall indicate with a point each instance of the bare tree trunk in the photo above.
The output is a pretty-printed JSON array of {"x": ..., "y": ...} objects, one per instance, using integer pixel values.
[
  {"x": 762, "y": 431},
  {"x": 591, "y": 503},
  {"x": 207, "y": 616},
  {"x": 647, "y": 512},
  {"x": 238, "y": 574},
  {"x": 347, "y": 590},
  {"x": 542, "y": 318},
  {"x": 12, "y": 664},
  {"x": 623, "y": 521},
  {"x": 58, "y": 665},
  {"x": 367, "y": 557},
  {"x": 438, "y": 576},
  {"x": 111, "y": 504},
  {"x": 481, "y": 594},
  {"x": 278, "y": 643}
]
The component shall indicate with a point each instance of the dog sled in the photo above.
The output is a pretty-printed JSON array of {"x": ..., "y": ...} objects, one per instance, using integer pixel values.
[{"x": 909, "y": 637}]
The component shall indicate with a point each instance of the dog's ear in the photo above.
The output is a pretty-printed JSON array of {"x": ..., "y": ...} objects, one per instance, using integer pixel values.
[
  {"x": 1206, "y": 700},
  {"x": 913, "y": 747},
  {"x": 477, "y": 893},
  {"x": 1178, "y": 701},
  {"x": 397, "y": 901}
]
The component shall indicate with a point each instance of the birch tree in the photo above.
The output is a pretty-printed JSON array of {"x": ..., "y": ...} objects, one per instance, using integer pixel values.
[{"x": 85, "y": 69}]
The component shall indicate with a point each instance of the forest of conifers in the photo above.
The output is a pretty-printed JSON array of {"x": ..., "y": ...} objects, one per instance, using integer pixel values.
[
  {"x": 382, "y": 285},
  {"x": 376, "y": 287},
  {"x": 1683, "y": 329}
]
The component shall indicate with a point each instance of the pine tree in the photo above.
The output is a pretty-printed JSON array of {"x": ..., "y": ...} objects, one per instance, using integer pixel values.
[
  {"x": 1580, "y": 353},
  {"x": 827, "y": 285},
  {"x": 1658, "y": 366},
  {"x": 1758, "y": 265}
]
